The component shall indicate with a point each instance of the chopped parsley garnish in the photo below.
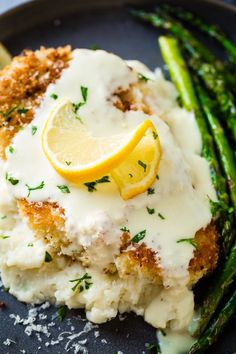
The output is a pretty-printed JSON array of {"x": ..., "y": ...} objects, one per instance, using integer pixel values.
[
  {"x": 150, "y": 210},
  {"x": 94, "y": 47},
  {"x": 30, "y": 189},
  {"x": 12, "y": 180},
  {"x": 162, "y": 332},
  {"x": 30, "y": 244},
  {"x": 142, "y": 77},
  {"x": 155, "y": 135},
  {"x": 157, "y": 177},
  {"x": 150, "y": 191},
  {"x": 142, "y": 164},
  {"x": 11, "y": 149},
  {"x": 82, "y": 283},
  {"x": 22, "y": 110},
  {"x": 161, "y": 216},
  {"x": 138, "y": 237},
  {"x": 124, "y": 229},
  {"x": 3, "y": 217},
  {"x": 188, "y": 240},
  {"x": 154, "y": 348},
  {"x": 54, "y": 96},
  {"x": 84, "y": 93},
  {"x": 230, "y": 210},
  {"x": 33, "y": 129},
  {"x": 6, "y": 290},
  {"x": 68, "y": 163},
  {"x": 7, "y": 114},
  {"x": 64, "y": 189},
  {"x": 61, "y": 312},
  {"x": 92, "y": 185},
  {"x": 4, "y": 237},
  {"x": 48, "y": 257}
]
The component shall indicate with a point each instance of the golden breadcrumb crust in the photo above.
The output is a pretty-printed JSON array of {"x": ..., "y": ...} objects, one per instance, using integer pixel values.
[{"x": 22, "y": 85}]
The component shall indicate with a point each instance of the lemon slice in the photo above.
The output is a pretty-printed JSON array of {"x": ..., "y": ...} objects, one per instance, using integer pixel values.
[
  {"x": 80, "y": 157},
  {"x": 139, "y": 170}
]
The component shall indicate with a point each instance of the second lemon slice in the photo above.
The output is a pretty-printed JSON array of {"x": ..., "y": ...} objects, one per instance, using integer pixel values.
[{"x": 80, "y": 157}]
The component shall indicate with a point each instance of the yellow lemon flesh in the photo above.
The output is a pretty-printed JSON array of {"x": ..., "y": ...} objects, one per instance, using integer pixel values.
[
  {"x": 139, "y": 170},
  {"x": 80, "y": 157}
]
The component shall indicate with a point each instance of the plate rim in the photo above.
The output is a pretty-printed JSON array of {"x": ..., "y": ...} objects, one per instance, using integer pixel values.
[{"x": 16, "y": 8}]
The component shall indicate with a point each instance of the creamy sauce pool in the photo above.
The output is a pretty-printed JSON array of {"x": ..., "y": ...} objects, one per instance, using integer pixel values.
[{"x": 181, "y": 193}]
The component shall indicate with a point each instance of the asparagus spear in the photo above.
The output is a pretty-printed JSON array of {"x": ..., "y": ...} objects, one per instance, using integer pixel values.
[
  {"x": 161, "y": 20},
  {"x": 212, "y": 77},
  {"x": 224, "y": 150},
  {"x": 225, "y": 153},
  {"x": 216, "y": 327},
  {"x": 181, "y": 77},
  {"x": 214, "y": 81},
  {"x": 212, "y": 30}
]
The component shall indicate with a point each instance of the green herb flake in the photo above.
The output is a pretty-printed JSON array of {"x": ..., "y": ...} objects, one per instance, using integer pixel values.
[
  {"x": 82, "y": 283},
  {"x": 48, "y": 257},
  {"x": 142, "y": 77},
  {"x": 124, "y": 229},
  {"x": 150, "y": 211},
  {"x": 154, "y": 348},
  {"x": 11, "y": 149},
  {"x": 191, "y": 241},
  {"x": 94, "y": 47},
  {"x": 143, "y": 165},
  {"x": 162, "y": 332},
  {"x": 138, "y": 237},
  {"x": 61, "y": 312},
  {"x": 155, "y": 135},
  {"x": 161, "y": 216},
  {"x": 22, "y": 110},
  {"x": 157, "y": 177},
  {"x": 54, "y": 96},
  {"x": 7, "y": 114},
  {"x": 33, "y": 129},
  {"x": 84, "y": 93},
  {"x": 64, "y": 189},
  {"x": 30, "y": 189},
  {"x": 92, "y": 185},
  {"x": 68, "y": 163},
  {"x": 130, "y": 175},
  {"x": 3, "y": 217},
  {"x": 6, "y": 290},
  {"x": 4, "y": 237},
  {"x": 11, "y": 179},
  {"x": 150, "y": 191},
  {"x": 30, "y": 244}
]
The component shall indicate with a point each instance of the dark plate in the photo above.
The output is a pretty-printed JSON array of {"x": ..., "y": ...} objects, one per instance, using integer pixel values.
[{"x": 107, "y": 24}]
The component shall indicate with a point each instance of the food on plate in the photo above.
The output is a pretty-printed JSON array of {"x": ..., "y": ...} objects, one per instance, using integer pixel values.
[{"x": 101, "y": 241}]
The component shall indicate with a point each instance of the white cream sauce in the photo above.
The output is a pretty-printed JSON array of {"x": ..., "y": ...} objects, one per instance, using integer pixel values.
[
  {"x": 184, "y": 208},
  {"x": 174, "y": 342}
]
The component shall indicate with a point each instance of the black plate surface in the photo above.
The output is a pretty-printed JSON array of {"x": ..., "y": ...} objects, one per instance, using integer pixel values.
[{"x": 107, "y": 24}]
